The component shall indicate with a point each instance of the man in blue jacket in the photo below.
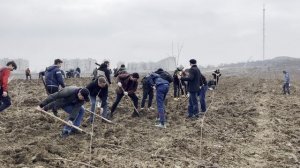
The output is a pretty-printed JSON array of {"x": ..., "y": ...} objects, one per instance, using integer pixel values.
[
  {"x": 53, "y": 77},
  {"x": 98, "y": 87},
  {"x": 71, "y": 100},
  {"x": 193, "y": 88},
  {"x": 162, "y": 88}
]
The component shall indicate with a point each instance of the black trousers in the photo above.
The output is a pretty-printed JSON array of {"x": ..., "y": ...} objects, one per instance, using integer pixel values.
[
  {"x": 52, "y": 89},
  {"x": 179, "y": 87},
  {"x": 133, "y": 97},
  {"x": 4, "y": 101},
  {"x": 146, "y": 92}
]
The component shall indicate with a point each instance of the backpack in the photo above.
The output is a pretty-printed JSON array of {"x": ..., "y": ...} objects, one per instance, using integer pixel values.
[
  {"x": 166, "y": 76},
  {"x": 100, "y": 73}
]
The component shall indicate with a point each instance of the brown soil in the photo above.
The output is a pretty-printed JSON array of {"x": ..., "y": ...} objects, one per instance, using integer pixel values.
[{"x": 249, "y": 123}]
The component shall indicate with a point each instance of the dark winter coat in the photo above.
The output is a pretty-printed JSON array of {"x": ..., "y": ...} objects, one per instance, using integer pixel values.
[
  {"x": 128, "y": 85},
  {"x": 67, "y": 96},
  {"x": 54, "y": 77},
  {"x": 203, "y": 80},
  {"x": 193, "y": 79},
  {"x": 96, "y": 90}
]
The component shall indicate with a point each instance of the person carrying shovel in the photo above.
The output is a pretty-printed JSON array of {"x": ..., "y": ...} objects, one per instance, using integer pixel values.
[
  {"x": 127, "y": 85},
  {"x": 71, "y": 100}
]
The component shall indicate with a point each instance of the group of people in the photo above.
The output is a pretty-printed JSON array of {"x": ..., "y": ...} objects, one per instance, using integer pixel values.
[
  {"x": 72, "y": 98},
  {"x": 191, "y": 83}
]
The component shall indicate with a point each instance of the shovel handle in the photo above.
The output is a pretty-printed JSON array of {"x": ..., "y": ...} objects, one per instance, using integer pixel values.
[
  {"x": 61, "y": 120},
  {"x": 99, "y": 116}
]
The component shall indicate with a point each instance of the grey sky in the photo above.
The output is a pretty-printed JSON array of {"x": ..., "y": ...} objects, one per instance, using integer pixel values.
[{"x": 212, "y": 31}]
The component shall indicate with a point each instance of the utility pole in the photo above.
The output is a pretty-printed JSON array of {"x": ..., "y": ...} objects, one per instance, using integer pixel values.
[{"x": 264, "y": 35}]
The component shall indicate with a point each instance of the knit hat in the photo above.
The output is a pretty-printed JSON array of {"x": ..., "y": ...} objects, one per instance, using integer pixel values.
[
  {"x": 193, "y": 61},
  {"x": 136, "y": 75},
  {"x": 85, "y": 93},
  {"x": 159, "y": 70}
]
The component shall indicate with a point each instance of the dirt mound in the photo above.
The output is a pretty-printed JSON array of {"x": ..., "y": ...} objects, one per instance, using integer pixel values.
[{"x": 249, "y": 123}]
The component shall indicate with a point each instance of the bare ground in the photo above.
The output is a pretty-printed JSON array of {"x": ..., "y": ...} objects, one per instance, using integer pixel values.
[{"x": 249, "y": 123}]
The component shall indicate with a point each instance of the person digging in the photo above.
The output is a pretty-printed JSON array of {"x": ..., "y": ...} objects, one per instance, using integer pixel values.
[
  {"x": 127, "y": 85},
  {"x": 162, "y": 88},
  {"x": 98, "y": 88},
  {"x": 71, "y": 99}
]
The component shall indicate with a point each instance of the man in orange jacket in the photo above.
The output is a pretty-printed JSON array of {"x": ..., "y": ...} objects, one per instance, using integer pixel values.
[{"x": 4, "y": 75}]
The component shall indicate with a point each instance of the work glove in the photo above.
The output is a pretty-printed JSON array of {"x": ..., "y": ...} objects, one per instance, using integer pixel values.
[
  {"x": 98, "y": 104},
  {"x": 180, "y": 73},
  {"x": 126, "y": 93},
  {"x": 4, "y": 94},
  {"x": 39, "y": 108},
  {"x": 119, "y": 84},
  {"x": 70, "y": 122},
  {"x": 188, "y": 95},
  {"x": 154, "y": 87},
  {"x": 101, "y": 110}
]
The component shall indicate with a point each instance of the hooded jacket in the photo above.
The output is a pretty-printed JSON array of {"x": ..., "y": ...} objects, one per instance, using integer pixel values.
[
  {"x": 67, "y": 96},
  {"x": 155, "y": 80},
  {"x": 54, "y": 77}
]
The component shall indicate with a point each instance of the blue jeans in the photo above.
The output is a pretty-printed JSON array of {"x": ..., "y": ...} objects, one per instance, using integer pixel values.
[
  {"x": 193, "y": 104},
  {"x": 201, "y": 95},
  {"x": 93, "y": 107},
  {"x": 161, "y": 93},
  {"x": 77, "y": 121},
  {"x": 4, "y": 101}
]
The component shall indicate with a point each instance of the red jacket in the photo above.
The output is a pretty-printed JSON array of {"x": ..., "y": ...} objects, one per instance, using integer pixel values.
[
  {"x": 4, "y": 74},
  {"x": 128, "y": 85}
]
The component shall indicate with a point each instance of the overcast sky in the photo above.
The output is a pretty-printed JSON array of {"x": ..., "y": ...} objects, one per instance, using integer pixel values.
[{"x": 212, "y": 31}]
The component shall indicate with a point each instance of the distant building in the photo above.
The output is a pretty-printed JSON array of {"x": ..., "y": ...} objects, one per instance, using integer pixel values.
[
  {"x": 21, "y": 63},
  {"x": 85, "y": 65},
  {"x": 168, "y": 64}
]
